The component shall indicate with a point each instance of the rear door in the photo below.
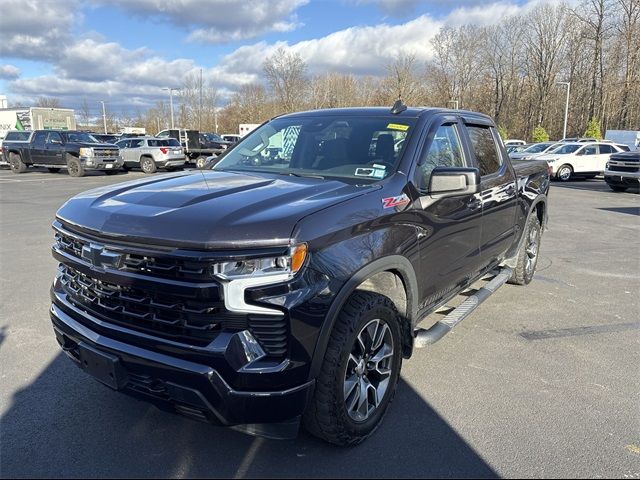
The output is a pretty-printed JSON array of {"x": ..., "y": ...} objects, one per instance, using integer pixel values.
[
  {"x": 38, "y": 147},
  {"x": 605, "y": 151},
  {"x": 136, "y": 149},
  {"x": 498, "y": 190}
]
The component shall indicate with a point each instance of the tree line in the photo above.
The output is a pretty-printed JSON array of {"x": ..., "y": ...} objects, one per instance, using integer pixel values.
[{"x": 510, "y": 71}]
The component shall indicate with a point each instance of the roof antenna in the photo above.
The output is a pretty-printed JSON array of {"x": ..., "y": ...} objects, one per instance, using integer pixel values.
[{"x": 398, "y": 107}]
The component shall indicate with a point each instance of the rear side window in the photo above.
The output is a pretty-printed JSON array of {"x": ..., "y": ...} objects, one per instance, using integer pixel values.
[
  {"x": 590, "y": 150},
  {"x": 39, "y": 138},
  {"x": 17, "y": 136},
  {"x": 171, "y": 142},
  {"x": 607, "y": 149},
  {"x": 155, "y": 143},
  {"x": 136, "y": 143},
  {"x": 485, "y": 149}
]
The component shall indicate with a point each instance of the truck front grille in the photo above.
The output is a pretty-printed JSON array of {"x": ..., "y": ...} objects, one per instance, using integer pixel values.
[
  {"x": 164, "y": 267},
  {"x": 106, "y": 152},
  {"x": 142, "y": 296},
  {"x": 176, "y": 318}
]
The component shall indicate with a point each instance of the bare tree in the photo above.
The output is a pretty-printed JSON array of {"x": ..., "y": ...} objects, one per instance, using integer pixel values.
[
  {"x": 285, "y": 73},
  {"x": 47, "y": 102}
]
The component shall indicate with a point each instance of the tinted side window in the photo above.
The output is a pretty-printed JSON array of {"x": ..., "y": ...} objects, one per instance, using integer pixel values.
[
  {"x": 156, "y": 143},
  {"x": 485, "y": 149},
  {"x": 445, "y": 150},
  {"x": 590, "y": 150},
  {"x": 38, "y": 138},
  {"x": 136, "y": 143},
  {"x": 606, "y": 149},
  {"x": 54, "y": 136}
]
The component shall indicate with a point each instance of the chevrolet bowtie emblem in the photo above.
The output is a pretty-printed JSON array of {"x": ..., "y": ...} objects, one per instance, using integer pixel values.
[{"x": 101, "y": 258}]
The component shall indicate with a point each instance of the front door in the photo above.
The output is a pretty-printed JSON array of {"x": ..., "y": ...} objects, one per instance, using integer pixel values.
[
  {"x": 449, "y": 228},
  {"x": 38, "y": 147},
  {"x": 54, "y": 151}
]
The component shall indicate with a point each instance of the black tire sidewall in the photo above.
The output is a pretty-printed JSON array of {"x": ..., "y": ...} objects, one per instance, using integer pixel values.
[
  {"x": 367, "y": 427},
  {"x": 565, "y": 166},
  {"x": 151, "y": 165},
  {"x": 16, "y": 164},
  {"x": 74, "y": 167}
]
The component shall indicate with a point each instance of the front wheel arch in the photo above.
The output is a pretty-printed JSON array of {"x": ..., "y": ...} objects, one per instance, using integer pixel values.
[{"x": 396, "y": 264}]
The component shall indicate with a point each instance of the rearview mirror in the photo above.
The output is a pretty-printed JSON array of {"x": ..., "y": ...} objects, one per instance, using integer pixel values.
[{"x": 452, "y": 182}]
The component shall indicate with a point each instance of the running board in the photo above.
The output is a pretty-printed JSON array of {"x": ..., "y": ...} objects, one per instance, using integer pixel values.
[{"x": 439, "y": 329}]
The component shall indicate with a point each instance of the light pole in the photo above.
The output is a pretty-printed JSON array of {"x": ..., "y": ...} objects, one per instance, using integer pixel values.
[
  {"x": 454, "y": 102},
  {"x": 566, "y": 108},
  {"x": 104, "y": 116},
  {"x": 171, "y": 90}
]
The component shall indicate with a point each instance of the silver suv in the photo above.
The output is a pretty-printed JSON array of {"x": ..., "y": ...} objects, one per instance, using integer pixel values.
[{"x": 150, "y": 153}]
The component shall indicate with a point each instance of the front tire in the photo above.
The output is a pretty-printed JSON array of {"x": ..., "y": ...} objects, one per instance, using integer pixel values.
[
  {"x": 360, "y": 371},
  {"x": 16, "y": 163},
  {"x": 528, "y": 253},
  {"x": 564, "y": 173},
  {"x": 75, "y": 167}
]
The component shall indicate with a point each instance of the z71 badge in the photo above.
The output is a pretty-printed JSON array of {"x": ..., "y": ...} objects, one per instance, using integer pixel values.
[{"x": 398, "y": 201}]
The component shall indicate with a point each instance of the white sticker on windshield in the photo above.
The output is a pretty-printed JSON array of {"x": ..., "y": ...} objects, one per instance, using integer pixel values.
[{"x": 370, "y": 172}]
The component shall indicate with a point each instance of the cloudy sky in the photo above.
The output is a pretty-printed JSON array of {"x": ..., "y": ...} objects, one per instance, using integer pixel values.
[{"x": 126, "y": 51}]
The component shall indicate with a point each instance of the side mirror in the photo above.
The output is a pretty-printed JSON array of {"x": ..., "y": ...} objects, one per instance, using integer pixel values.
[{"x": 453, "y": 182}]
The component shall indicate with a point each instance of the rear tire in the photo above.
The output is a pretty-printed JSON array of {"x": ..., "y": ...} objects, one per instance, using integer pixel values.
[
  {"x": 148, "y": 165},
  {"x": 16, "y": 163},
  {"x": 528, "y": 253},
  {"x": 359, "y": 373},
  {"x": 564, "y": 173},
  {"x": 617, "y": 188}
]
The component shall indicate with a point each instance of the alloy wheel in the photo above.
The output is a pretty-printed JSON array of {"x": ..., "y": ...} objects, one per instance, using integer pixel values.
[
  {"x": 368, "y": 370},
  {"x": 531, "y": 250}
]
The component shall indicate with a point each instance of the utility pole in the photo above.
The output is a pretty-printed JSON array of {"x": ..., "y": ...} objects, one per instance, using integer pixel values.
[
  {"x": 200, "y": 109},
  {"x": 171, "y": 90},
  {"x": 104, "y": 116},
  {"x": 566, "y": 108}
]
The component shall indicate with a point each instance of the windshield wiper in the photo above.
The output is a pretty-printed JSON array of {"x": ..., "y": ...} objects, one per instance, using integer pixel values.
[{"x": 301, "y": 175}]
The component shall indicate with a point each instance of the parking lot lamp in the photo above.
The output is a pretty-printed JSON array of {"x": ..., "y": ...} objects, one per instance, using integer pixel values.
[
  {"x": 171, "y": 90},
  {"x": 104, "y": 116},
  {"x": 566, "y": 108}
]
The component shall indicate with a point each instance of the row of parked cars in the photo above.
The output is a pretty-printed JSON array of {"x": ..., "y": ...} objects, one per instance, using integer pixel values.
[
  {"x": 584, "y": 158},
  {"x": 78, "y": 152}
]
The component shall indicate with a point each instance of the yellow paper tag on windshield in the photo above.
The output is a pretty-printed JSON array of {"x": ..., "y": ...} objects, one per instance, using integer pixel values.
[{"x": 397, "y": 126}]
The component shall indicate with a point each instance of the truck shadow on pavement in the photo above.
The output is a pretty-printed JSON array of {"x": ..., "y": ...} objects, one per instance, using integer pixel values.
[{"x": 65, "y": 424}]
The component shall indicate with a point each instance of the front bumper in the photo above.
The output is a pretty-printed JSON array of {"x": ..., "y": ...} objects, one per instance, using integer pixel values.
[
  {"x": 627, "y": 179},
  {"x": 102, "y": 163},
  {"x": 185, "y": 387}
]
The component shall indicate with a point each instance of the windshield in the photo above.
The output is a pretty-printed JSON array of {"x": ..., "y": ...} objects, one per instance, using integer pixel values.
[
  {"x": 360, "y": 148},
  {"x": 80, "y": 137},
  {"x": 563, "y": 150}
]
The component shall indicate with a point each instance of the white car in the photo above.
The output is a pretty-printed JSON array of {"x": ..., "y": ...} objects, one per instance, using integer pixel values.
[
  {"x": 534, "y": 151},
  {"x": 577, "y": 159},
  {"x": 514, "y": 142}
]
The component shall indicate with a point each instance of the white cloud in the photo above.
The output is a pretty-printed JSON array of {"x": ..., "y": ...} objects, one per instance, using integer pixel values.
[
  {"x": 9, "y": 72},
  {"x": 36, "y": 29},
  {"x": 219, "y": 21}
]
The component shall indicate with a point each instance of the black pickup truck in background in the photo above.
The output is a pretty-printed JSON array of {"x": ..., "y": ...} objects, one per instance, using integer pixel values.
[
  {"x": 62, "y": 149},
  {"x": 278, "y": 289}
]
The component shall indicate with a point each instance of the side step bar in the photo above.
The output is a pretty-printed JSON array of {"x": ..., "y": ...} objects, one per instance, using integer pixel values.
[{"x": 439, "y": 329}]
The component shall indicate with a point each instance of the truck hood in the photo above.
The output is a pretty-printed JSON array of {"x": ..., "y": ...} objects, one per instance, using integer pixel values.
[{"x": 205, "y": 210}]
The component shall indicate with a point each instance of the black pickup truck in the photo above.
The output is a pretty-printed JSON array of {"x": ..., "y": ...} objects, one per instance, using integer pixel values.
[
  {"x": 272, "y": 290},
  {"x": 62, "y": 149}
]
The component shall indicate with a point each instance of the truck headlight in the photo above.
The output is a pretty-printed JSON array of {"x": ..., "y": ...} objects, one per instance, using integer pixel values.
[
  {"x": 265, "y": 268},
  {"x": 86, "y": 152},
  {"x": 237, "y": 276}
]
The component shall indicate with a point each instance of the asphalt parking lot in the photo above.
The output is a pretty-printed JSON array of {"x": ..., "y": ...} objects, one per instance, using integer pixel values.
[{"x": 541, "y": 381}]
